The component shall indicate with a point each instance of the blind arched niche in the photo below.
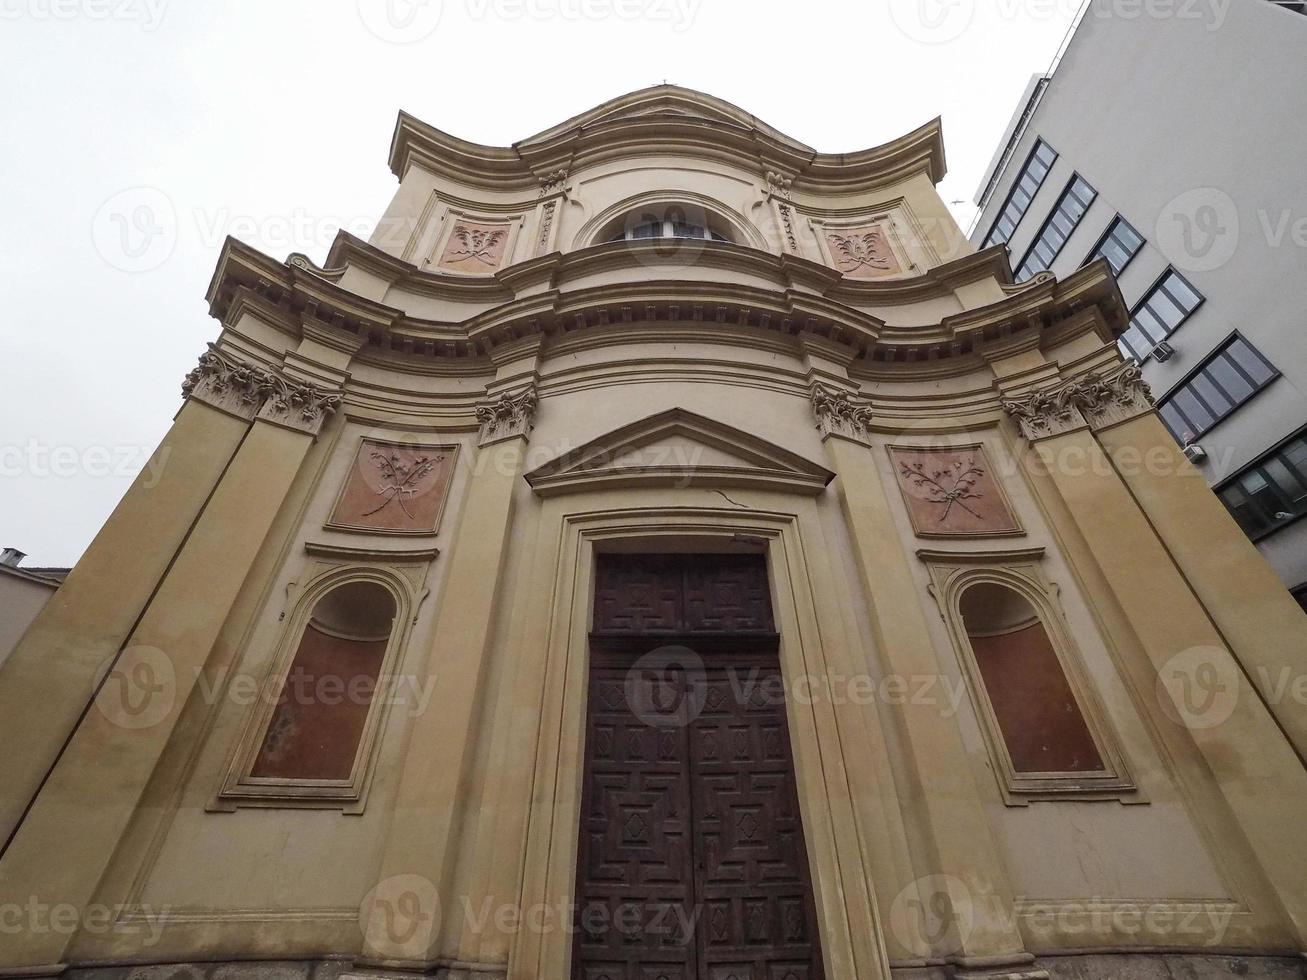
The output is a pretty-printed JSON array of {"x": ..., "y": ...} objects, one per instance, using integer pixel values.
[
  {"x": 310, "y": 739},
  {"x": 326, "y": 695},
  {"x": 1042, "y": 724},
  {"x": 1047, "y": 733}
]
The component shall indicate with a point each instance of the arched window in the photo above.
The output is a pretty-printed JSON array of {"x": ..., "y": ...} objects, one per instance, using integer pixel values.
[
  {"x": 323, "y": 705},
  {"x": 1042, "y": 723},
  {"x": 674, "y": 221}
]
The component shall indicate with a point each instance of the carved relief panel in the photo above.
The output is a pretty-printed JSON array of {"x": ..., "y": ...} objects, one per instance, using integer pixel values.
[
  {"x": 395, "y": 488},
  {"x": 864, "y": 252},
  {"x": 475, "y": 246},
  {"x": 951, "y": 491}
]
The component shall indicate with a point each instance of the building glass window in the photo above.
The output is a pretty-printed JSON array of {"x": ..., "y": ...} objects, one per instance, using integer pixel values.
[
  {"x": 670, "y": 223},
  {"x": 1159, "y": 314},
  {"x": 1027, "y": 184},
  {"x": 1119, "y": 244},
  {"x": 1270, "y": 493},
  {"x": 1227, "y": 379},
  {"x": 1068, "y": 211}
]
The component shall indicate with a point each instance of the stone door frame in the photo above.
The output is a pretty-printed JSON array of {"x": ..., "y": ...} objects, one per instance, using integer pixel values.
[{"x": 851, "y": 938}]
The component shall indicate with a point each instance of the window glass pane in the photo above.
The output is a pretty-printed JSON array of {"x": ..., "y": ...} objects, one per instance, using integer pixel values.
[
  {"x": 1296, "y": 454},
  {"x": 1207, "y": 391},
  {"x": 1125, "y": 234},
  {"x": 1173, "y": 419},
  {"x": 652, "y": 229},
  {"x": 1224, "y": 373},
  {"x": 1147, "y": 323},
  {"x": 1184, "y": 294},
  {"x": 1285, "y": 479},
  {"x": 1193, "y": 409},
  {"x": 1247, "y": 358},
  {"x": 1165, "y": 309}
]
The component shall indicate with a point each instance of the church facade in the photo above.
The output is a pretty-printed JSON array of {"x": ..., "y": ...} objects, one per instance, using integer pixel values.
[{"x": 662, "y": 551}]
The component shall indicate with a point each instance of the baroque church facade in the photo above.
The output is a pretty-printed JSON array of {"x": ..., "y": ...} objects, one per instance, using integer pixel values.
[{"x": 663, "y": 552}]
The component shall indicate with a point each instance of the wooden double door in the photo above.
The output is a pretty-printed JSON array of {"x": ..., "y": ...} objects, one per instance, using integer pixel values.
[{"x": 691, "y": 863}]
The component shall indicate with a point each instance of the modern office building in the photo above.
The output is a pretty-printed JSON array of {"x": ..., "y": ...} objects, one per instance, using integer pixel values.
[
  {"x": 662, "y": 551},
  {"x": 1172, "y": 143}
]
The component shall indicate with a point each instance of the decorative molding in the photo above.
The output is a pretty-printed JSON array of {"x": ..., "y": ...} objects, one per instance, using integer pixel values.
[
  {"x": 778, "y": 185},
  {"x": 1045, "y": 412},
  {"x": 507, "y": 416},
  {"x": 299, "y": 260},
  {"x": 1096, "y": 400},
  {"x": 298, "y": 405},
  {"x": 228, "y": 383},
  {"x": 552, "y": 182},
  {"x": 679, "y": 449},
  {"x": 546, "y": 226},
  {"x": 787, "y": 223},
  {"x": 838, "y": 414},
  {"x": 1116, "y": 398},
  {"x": 345, "y": 553}
]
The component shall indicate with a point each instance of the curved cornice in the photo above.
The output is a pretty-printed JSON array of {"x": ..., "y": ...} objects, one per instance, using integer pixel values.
[
  {"x": 557, "y": 294},
  {"x": 664, "y": 119}
]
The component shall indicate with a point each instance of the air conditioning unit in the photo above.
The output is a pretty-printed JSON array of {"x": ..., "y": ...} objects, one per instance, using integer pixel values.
[
  {"x": 1163, "y": 351},
  {"x": 1195, "y": 453}
]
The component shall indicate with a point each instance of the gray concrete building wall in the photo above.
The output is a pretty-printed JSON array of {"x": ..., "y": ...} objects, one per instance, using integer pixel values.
[{"x": 1187, "y": 118}]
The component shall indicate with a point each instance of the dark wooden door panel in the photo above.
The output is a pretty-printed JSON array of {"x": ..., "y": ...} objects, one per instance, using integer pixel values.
[
  {"x": 691, "y": 858},
  {"x": 636, "y": 870},
  {"x": 752, "y": 875}
]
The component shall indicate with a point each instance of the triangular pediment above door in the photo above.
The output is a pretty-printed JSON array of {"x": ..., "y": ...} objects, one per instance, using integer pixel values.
[{"x": 677, "y": 448}]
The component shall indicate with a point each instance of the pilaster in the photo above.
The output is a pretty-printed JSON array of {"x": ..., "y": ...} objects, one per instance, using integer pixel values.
[
  {"x": 965, "y": 866},
  {"x": 97, "y": 784},
  {"x": 51, "y": 677},
  {"x": 1256, "y": 616},
  {"x": 425, "y": 839},
  {"x": 1198, "y": 684}
]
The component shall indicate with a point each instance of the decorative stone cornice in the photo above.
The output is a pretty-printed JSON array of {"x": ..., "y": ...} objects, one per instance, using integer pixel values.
[
  {"x": 1096, "y": 400},
  {"x": 227, "y": 383},
  {"x": 509, "y": 415},
  {"x": 838, "y": 414},
  {"x": 298, "y": 405},
  {"x": 1115, "y": 398},
  {"x": 1044, "y": 412}
]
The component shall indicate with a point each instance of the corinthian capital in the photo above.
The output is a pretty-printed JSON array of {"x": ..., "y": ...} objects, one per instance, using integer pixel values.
[
  {"x": 1115, "y": 398},
  {"x": 838, "y": 414},
  {"x": 507, "y": 416},
  {"x": 299, "y": 405},
  {"x": 227, "y": 383},
  {"x": 1044, "y": 412}
]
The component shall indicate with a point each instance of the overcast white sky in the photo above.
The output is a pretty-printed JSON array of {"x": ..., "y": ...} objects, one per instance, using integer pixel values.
[{"x": 271, "y": 119}]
